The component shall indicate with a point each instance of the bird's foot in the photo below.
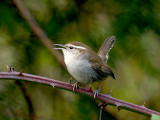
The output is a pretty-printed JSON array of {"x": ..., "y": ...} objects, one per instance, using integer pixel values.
[
  {"x": 102, "y": 106},
  {"x": 75, "y": 86},
  {"x": 96, "y": 93},
  {"x": 9, "y": 68}
]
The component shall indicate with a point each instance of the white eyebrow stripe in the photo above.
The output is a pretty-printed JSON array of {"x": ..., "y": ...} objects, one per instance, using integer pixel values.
[{"x": 78, "y": 47}]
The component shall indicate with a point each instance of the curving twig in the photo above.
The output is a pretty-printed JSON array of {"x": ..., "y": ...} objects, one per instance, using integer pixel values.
[
  {"x": 68, "y": 86},
  {"x": 38, "y": 31},
  {"x": 27, "y": 98},
  {"x": 25, "y": 94}
]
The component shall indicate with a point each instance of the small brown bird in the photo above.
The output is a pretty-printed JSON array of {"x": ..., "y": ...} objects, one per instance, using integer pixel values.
[{"x": 85, "y": 65}]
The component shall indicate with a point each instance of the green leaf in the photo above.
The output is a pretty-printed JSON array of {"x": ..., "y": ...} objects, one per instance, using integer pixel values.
[{"x": 155, "y": 117}]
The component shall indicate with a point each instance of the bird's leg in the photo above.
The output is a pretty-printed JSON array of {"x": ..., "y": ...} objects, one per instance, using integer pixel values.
[
  {"x": 102, "y": 108},
  {"x": 96, "y": 92},
  {"x": 100, "y": 116},
  {"x": 75, "y": 86}
]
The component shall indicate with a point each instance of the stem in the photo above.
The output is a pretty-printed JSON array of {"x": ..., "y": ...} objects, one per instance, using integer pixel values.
[
  {"x": 28, "y": 99},
  {"x": 100, "y": 116},
  {"x": 37, "y": 30},
  {"x": 68, "y": 86}
]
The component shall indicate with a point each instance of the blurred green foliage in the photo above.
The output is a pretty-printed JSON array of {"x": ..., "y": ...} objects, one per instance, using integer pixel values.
[
  {"x": 135, "y": 57},
  {"x": 155, "y": 117}
]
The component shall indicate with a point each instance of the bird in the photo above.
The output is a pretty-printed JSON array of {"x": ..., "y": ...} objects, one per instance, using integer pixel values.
[{"x": 85, "y": 65}]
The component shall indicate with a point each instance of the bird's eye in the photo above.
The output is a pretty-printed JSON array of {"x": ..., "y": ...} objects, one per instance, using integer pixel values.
[{"x": 71, "y": 47}]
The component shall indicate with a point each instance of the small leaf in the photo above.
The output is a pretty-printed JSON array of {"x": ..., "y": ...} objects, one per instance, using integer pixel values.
[{"x": 155, "y": 117}]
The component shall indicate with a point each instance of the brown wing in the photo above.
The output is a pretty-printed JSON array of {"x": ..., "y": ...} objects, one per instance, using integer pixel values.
[
  {"x": 103, "y": 72},
  {"x": 105, "y": 68},
  {"x": 99, "y": 66},
  {"x": 106, "y": 47}
]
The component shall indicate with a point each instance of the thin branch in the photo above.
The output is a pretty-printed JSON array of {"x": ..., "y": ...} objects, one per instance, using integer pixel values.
[
  {"x": 27, "y": 98},
  {"x": 37, "y": 30},
  {"x": 25, "y": 94},
  {"x": 68, "y": 86}
]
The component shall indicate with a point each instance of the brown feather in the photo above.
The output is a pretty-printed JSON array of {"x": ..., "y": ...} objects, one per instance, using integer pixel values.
[{"x": 105, "y": 48}]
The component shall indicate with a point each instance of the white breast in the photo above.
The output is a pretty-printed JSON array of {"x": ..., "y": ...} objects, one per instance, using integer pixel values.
[{"x": 79, "y": 68}]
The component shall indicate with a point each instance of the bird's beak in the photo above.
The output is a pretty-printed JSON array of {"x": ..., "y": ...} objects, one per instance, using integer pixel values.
[{"x": 61, "y": 46}]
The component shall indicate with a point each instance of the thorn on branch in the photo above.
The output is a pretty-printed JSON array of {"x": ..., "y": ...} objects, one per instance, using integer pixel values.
[
  {"x": 20, "y": 74},
  {"x": 118, "y": 108},
  {"x": 118, "y": 104},
  {"x": 143, "y": 104},
  {"x": 90, "y": 90},
  {"x": 63, "y": 85},
  {"x": 70, "y": 80},
  {"x": 52, "y": 84},
  {"x": 109, "y": 94}
]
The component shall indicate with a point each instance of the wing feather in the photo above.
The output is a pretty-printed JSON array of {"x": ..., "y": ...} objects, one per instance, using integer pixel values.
[
  {"x": 103, "y": 72},
  {"x": 106, "y": 47}
]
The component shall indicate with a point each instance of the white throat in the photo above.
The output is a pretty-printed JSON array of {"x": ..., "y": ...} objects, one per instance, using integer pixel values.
[{"x": 79, "y": 66}]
